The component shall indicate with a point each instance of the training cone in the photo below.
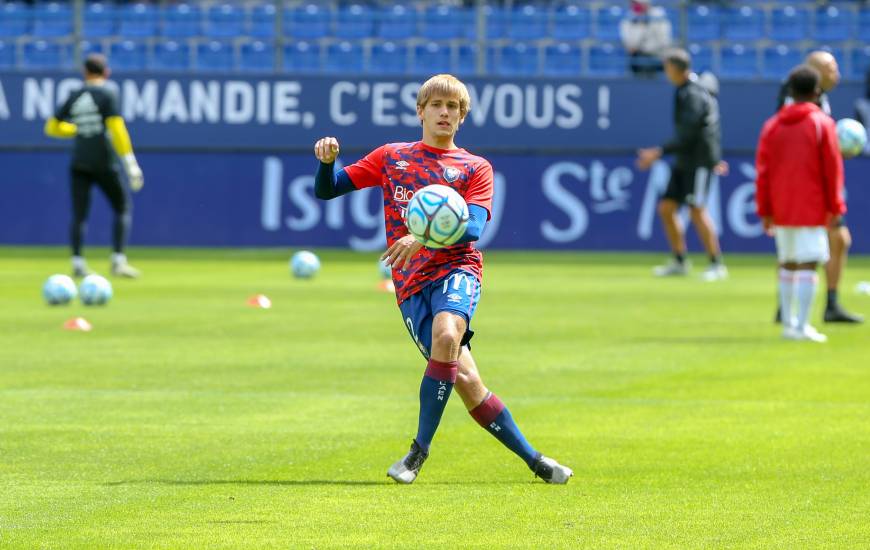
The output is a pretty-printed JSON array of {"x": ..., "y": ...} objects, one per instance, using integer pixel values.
[
  {"x": 260, "y": 300},
  {"x": 387, "y": 286},
  {"x": 78, "y": 323}
]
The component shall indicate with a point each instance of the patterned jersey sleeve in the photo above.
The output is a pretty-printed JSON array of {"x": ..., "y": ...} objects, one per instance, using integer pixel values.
[
  {"x": 368, "y": 171},
  {"x": 480, "y": 188}
]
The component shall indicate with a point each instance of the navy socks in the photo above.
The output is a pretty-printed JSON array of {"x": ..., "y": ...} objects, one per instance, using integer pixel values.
[{"x": 434, "y": 392}]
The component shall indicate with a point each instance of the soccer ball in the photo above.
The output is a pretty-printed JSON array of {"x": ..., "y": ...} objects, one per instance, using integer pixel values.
[
  {"x": 437, "y": 216},
  {"x": 95, "y": 290},
  {"x": 852, "y": 137},
  {"x": 304, "y": 264},
  {"x": 385, "y": 269},
  {"x": 59, "y": 290}
]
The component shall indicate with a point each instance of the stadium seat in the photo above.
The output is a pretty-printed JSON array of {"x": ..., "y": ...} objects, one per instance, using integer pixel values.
[
  {"x": 517, "y": 59},
  {"x": 607, "y": 22},
  {"x": 738, "y": 61},
  {"x": 354, "y": 21},
  {"x": 128, "y": 55},
  {"x": 214, "y": 55},
  {"x": 225, "y": 20},
  {"x": 388, "y": 58},
  {"x": 607, "y": 60},
  {"x": 52, "y": 20},
  {"x": 863, "y": 31},
  {"x": 98, "y": 20},
  {"x": 137, "y": 21},
  {"x": 446, "y": 22},
  {"x": 571, "y": 22},
  {"x": 308, "y": 21},
  {"x": 743, "y": 23},
  {"x": 496, "y": 22},
  {"x": 859, "y": 63},
  {"x": 44, "y": 54},
  {"x": 170, "y": 55},
  {"x": 92, "y": 46},
  {"x": 832, "y": 24},
  {"x": 527, "y": 22},
  {"x": 702, "y": 23},
  {"x": 789, "y": 24},
  {"x": 7, "y": 54},
  {"x": 263, "y": 20},
  {"x": 302, "y": 57},
  {"x": 256, "y": 56},
  {"x": 182, "y": 20},
  {"x": 344, "y": 57},
  {"x": 779, "y": 60},
  {"x": 432, "y": 58},
  {"x": 397, "y": 22},
  {"x": 563, "y": 59},
  {"x": 702, "y": 58},
  {"x": 466, "y": 59},
  {"x": 16, "y": 19}
]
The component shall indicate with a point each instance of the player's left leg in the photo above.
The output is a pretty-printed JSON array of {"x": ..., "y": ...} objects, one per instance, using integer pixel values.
[
  {"x": 704, "y": 227},
  {"x": 840, "y": 240},
  {"x": 113, "y": 188}
]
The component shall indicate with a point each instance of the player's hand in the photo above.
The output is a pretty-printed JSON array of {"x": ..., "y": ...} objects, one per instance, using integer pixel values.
[
  {"x": 646, "y": 157},
  {"x": 326, "y": 149},
  {"x": 721, "y": 169},
  {"x": 401, "y": 252},
  {"x": 767, "y": 224},
  {"x": 134, "y": 173}
]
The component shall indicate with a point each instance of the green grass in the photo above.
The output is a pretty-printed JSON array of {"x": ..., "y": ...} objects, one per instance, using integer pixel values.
[{"x": 187, "y": 420}]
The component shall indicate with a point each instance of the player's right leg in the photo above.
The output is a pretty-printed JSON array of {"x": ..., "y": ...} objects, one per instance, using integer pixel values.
[
  {"x": 112, "y": 186},
  {"x": 80, "y": 190},
  {"x": 669, "y": 210},
  {"x": 840, "y": 240},
  {"x": 800, "y": 249}
]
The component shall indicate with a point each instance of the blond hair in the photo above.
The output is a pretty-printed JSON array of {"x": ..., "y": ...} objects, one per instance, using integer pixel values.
[{"x": 445, "y": 85}]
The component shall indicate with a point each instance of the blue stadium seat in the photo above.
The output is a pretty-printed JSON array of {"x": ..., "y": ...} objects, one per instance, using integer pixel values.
[
  {"x": 607, "y": 60},
  {"x": 257, "y": 56},
  {"x": 137, "y": 21},
  {"x": 308, "y": 21},
  {"x": 92, "y": 46},
  {"x": 863, "y": 31},
  {"x": 789, "y": 23},
  {"x": 833, "y": 24},
  {"x": 702, "y": 23},
  {"x": 215, "y": 55},
  {"x": 607, "y": 22},
  {"x": 572, "y": 22},
  {"x": 44, "y": 54},
  {"x": 397, "y": 22},
  {"x": 702, "y": 58},
  {"x": 7, "y": 54},
  {"x": 170, "y": 55},
  {"x": 527, "y": 22},
  {"x": 860, "y": 63},
  {"x": 466, "y": 59},
  {"x": 446, "y": 22},
  {"x": 563, "y": 59},
  {"x": 225, "y": 20},
  {"x": 16, "y": 19},
  {"x": 263, "y": 20},
  {"x": 344, "y": 57},
  {"x": 738, "y": 61},
  {"x": 517, "y": 59},
  {"x": 432, "y": 58},
  {"x": 388, "y": 58},
  {"x": 98, "y": 20},
  {"x": 354, "y": 21},
  {"x": 779, "y": 60},
  {"x": 743, "y": 23},
  {"x": 128, "y": 55},
  {"x": 182, "y": 20},
  {"x": 496, "y": 21},
  {"x": 302, "y": 57},
  {"x": 52, "y": 20}
]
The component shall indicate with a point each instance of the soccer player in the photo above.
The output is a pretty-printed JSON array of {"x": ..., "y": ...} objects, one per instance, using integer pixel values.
[
  {"x": 437, "y": 289},
  {"x": 799, "y": 194},
  {"x": 839, "y": 236},
  {"x": 88, "y": 115},
  {"x": 698, "y": 156}
]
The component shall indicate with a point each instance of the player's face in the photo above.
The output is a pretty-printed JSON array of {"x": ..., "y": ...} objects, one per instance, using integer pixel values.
[{"x": 441, "y": 116}]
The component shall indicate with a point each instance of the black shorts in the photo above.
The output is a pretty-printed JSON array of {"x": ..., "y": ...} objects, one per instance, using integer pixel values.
[
  {"x": 689, "y": 186},
  {"x": 110, "y": 183}
]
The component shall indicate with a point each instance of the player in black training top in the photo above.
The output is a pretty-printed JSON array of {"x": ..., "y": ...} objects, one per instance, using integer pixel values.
[{"x": 91, "y": 116}]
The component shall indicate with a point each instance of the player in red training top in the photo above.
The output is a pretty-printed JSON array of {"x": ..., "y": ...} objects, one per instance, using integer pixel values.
[{"x": 438, "y": 290}]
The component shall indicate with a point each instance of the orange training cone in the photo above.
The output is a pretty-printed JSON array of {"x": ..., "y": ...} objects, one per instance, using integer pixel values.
[
  {"x": 78, "y": 323},
  {"x": 260, "y": 300}
]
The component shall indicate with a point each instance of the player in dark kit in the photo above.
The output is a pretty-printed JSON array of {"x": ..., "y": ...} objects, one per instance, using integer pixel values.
[
  {"x": 437, "y": 289},
  {"x": 90, "y": 115}
]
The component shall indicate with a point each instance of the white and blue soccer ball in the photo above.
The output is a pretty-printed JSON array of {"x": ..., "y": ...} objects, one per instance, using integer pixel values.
[
  {"x": 95, "y": 290},
  {"x": 59, "y": 290},
  {"x": 385, "y": 270},
  {"x": 437, "y": 216},
  {"x": 304, "y": 264},
  {"x": 852, "y": 137}
]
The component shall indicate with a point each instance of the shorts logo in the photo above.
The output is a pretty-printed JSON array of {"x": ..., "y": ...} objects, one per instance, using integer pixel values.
[
  {"x": 402, "y": 164},
  {"x": 454, "y": 298},
  {"x": 451, "y": 174}
]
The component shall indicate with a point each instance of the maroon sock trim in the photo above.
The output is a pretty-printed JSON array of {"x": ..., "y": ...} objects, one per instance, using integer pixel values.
[
  {"x": 488, "y": 410},
  {"x": 444, "y": 372}
]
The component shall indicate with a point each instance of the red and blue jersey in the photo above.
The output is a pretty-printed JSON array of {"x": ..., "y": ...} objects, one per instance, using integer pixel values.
[{"x": 400, "y": 169}]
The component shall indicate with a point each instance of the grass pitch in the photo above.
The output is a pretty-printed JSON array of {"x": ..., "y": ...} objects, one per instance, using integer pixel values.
[{"x": 186, "y": 419}]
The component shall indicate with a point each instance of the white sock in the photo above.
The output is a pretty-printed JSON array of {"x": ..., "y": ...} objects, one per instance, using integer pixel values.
[
  {"x": 786, "y": 294},
  {"x": 79, "y": 263},
  {"x": 118, "y": 259},
  {"x": 806, "y": 282}
]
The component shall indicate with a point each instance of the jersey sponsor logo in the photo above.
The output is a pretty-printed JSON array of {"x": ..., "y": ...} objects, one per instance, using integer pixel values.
[
  {"x": 451, "y": 174},
  {"x": 402, "y": 164},
  {"x": 402, "y": 194}
]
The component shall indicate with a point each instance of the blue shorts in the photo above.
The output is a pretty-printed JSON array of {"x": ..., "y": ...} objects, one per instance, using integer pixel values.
[{"x": 458, "y": 292}]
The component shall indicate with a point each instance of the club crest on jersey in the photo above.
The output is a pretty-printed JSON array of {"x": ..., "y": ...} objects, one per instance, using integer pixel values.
[{"x": 451, "y": 174}]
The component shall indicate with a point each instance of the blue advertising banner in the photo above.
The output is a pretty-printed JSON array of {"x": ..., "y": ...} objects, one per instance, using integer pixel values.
[
  {"x": 247, "y": 199},
  {"x": 283, "y": 113}
]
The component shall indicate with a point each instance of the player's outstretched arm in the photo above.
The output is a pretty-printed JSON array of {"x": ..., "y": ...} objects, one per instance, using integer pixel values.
[
  {"x": 327, "y": 184},
  {"x": 124, "y": 148},
  {"x": 60, "y": 129}
]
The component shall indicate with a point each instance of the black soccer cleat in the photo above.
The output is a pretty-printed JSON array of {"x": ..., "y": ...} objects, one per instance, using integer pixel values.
[
  {"x": 837, "y": 314},
  {"x": 406, "y": 470},
  {"x": 551, "y": 471}
]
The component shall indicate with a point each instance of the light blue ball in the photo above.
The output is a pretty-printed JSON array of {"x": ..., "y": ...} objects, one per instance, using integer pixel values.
[
  {"x": 59, "y": 290},
  {"x": 852, "y": 137},
  {"x": 304, "y": 264},
  {"x": 95, "y": 290},
  {"x": 384, "y": 268}
]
